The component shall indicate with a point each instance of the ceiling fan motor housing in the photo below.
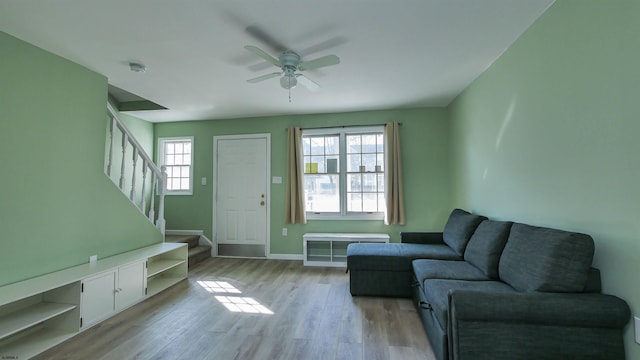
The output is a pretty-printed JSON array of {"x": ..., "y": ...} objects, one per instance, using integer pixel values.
[{"x": 289, "y": 60}]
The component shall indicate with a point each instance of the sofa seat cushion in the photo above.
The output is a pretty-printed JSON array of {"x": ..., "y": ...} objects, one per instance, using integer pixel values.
[
  {"x": 459, "y": 228},
  {"x": 394, "y": 256},
  {"x": 436, "y": 292},
  {"x": 546, "y": 260},
  {"x": 446, "y": 269},
  {"x": 486, "y": 245}
]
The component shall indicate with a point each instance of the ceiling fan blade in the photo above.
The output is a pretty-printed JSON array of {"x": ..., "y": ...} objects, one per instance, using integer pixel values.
[
  {"x": 267, "y": 39},
  {"x": 308, "y": 83},
  {"x": 263, "y": 55},
  {"x": 319, "y": 62},
  {"x": 263, "y": 77},
  {"x": 327, "y": 44}
]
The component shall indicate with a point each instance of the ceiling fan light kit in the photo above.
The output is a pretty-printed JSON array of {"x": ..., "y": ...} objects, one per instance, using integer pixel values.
[{"x": 288, "y": 82}]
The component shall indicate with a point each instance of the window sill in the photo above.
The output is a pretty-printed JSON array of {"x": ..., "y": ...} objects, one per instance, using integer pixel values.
[
  {"x": 171, "y": 193},
  {"x": 350, "y": 217}
]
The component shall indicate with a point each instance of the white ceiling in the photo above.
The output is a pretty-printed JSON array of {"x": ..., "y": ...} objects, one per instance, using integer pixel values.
[{"x": 394, "y": 54}]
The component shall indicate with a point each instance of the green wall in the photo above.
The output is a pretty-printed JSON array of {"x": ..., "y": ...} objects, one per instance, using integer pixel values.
[
  {"x": 57, "y": 207},
  {"x": 141, "y": 130},
  {"x": 424, "y": 138},
  {"x": 548, "y": 135}
]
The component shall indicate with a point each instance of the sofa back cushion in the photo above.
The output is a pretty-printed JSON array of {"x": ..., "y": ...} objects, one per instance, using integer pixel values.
[
  {"x": 459, "y": 229},
  {"x": 486, "y": 245},
  {"x": 546, "y": 260}
]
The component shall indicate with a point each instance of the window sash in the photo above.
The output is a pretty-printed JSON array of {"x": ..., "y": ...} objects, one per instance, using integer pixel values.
[
  {"x": 176, "y": 155},
  {"x": 343, "y": 175}
]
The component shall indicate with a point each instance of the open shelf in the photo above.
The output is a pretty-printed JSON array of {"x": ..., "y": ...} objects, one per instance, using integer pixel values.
[
  {"x": 165, "y": 270},
  {"x": 157, "y": 266},
  {"x": 161, "y": 282},
  {"x": 24, "y": 347},
  {"x": 330, "y": 249},
  {"x": 30, "y": 316}
]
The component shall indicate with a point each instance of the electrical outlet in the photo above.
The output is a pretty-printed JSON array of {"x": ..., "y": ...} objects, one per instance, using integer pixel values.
[
  {"x": 284, "y": 231},
  {"x": 93, "y": 258},
  {"x": 636, "y": 321}
]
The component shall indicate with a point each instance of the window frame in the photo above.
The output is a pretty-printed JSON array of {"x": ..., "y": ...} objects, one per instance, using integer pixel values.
[
  {"x": 161, "y": 161},
  {"x": 342, "y": 133}
]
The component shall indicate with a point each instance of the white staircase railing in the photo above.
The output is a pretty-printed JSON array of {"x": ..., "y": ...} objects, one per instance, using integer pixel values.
[{"x": 129, "y": 177}]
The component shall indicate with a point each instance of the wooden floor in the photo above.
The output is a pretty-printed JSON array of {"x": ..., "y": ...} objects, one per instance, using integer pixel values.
[{"x": 256, "y": 309}]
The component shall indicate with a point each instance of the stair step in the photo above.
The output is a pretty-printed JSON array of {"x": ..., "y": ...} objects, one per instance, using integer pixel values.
[
  {"x": 192, "y": 240},
  {"x": 199, "y": 253}
]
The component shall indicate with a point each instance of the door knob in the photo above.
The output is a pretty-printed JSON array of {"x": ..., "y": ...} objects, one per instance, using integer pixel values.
[{"x": 261, "y": 203}]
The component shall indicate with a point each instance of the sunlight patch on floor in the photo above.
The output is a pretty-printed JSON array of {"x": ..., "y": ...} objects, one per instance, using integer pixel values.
[
  {"x": 218, "y": 287},
  {"x": 233, "y": 303},
  {"x": 243, "y": 304}
]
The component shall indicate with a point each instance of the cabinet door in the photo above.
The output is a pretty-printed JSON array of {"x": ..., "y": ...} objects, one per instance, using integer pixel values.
[
  {"x": 131, "y": 284},
  {"x": 98, "y": 298}
]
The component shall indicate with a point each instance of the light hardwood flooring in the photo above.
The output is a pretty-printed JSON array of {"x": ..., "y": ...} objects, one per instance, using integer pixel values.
[{"x": 256, "y": 309}]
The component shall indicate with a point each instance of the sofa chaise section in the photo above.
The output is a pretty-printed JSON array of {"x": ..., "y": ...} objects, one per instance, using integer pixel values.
[{"x": 386, "y": 270}]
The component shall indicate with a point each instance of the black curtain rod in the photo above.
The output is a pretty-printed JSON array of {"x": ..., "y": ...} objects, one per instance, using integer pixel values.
[{"x": 339, "y": 126}]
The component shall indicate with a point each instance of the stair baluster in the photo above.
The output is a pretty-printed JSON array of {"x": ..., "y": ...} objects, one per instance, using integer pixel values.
[
  {"x": 124, "y": 161},
  {"x": 132, "y": 196},
  {"x": 143, "y": 202},
  {"x": 152, "y": 206}
]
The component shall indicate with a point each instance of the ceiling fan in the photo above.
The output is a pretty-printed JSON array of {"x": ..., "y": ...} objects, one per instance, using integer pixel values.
[{"x": 291, "y": 65}]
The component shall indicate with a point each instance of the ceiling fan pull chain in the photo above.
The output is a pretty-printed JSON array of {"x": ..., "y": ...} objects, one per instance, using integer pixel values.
[{"x": 289, "y": 94}]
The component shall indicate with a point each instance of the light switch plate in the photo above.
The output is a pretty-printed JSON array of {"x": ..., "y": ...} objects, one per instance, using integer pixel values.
[
  {"x": 277, "y": 180},
  {"x": 203, "y": 181},
  {"x": 636, "y": 321}
]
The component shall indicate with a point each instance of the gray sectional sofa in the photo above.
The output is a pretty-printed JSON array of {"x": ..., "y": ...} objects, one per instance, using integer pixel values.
[{"x": 490, "y": 289}]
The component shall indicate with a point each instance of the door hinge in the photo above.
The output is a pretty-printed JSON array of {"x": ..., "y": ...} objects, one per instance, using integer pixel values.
[
  {"x": 82, "y": 288},
  {"x": 80, "y": 322},
  {"x": 145, "y": 291}
]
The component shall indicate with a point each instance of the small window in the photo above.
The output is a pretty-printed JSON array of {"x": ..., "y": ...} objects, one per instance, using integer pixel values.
[
  {"x": 176, "y": 154},
  {"x": 344, "y": 173}
]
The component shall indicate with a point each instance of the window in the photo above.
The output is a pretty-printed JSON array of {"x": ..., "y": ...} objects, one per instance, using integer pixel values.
[
  {"x": 344, "y": 173},
  {"x": 176, "y": 154}
]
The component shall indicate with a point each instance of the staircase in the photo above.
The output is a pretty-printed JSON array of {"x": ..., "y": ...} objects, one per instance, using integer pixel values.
[{"x": 197, "y": 252}]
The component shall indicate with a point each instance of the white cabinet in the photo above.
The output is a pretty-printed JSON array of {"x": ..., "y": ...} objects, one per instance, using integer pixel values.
[
  {"x": 330, "y": 249},
  {"x": 41, "y": 312},
  {"x": 131, "y": 284},
  {"x": 98, "y": 298},
  {"x": 112, "y": 291}
]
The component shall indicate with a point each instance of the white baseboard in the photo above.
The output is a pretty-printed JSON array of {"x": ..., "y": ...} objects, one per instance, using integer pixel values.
[{"x": 285, "y": 257}]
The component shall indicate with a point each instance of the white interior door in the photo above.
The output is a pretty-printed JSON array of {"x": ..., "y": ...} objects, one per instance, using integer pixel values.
[{"x": 242, "y": 198}]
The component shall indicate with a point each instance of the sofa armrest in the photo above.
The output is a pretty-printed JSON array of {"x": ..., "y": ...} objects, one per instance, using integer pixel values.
[
  {"x": 421, "y": 237},
  {"x": 570, "y": 309},
  {"x": 535, "y": 325}
]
